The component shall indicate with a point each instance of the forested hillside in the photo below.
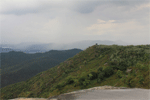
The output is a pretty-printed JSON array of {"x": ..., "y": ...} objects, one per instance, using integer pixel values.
[
  {"x": 18, "y": 66},
  {"x": 98, "y": 65}
]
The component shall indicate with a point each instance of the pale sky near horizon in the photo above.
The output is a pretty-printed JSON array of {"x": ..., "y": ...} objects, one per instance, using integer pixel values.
[{"x": 66, "y": 21}]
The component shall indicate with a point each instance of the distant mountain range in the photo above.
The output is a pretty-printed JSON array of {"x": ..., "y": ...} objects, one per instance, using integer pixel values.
[
  {"x": 28, "y": 47},
  {"x": 18, "y": 66},
  {"x": 6, "y": 50}
]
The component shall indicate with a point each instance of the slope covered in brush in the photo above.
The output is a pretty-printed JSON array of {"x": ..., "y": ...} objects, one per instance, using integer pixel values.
[
  {"x": 126, "y": 66},
  {"x": 18, "y": 66}
]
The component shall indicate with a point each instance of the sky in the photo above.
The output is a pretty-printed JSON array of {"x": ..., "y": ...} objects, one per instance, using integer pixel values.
[{"x": 68, "y": 21}]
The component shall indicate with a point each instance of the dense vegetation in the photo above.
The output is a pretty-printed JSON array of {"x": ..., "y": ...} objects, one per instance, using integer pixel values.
[
  {"x": 18, "y": 66},
  {"x": 126, "y": 66}
]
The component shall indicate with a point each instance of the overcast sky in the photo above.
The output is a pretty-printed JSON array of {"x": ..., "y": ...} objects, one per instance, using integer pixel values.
[{"x": 66, "y": 21}]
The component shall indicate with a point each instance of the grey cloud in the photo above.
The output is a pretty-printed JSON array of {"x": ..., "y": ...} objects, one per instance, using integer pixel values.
[
  {"x": 89, "y": 6},
  {"x": 86, "y": 6},
  {"x": 78, "y": 6},
  {"x": 128, "y": 2},
  {"x": 122, "y": 14},
  {"x": 26, "y": 9},
  {"x": 21, "y": 11}
]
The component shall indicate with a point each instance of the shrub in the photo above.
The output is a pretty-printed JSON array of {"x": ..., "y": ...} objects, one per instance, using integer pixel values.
[
  {"x": 71, "y": 65},
  {"x": 119, "y": 74},
  {"x": 133, "y": 73},
  {"x": 123, "y": 79},
  {"x": 129, "y": 80},
  {"x": 81, "y": 80},
  {"x": 52, "y": 89},
  {"x": 68, "y": 71},
  {"x": 64, "y": 74},
  {"x": 85, "y": 62},
  {"x": 100, "y": 56},
  {"x": 141, "y": 79},
  {"x": 76, "y": 83},
  {"x": 92, "y": 76},
  {"x": 146, "y": 57},
  {"x": 141, "y": 66},
  {"x": 100, "y": 76},
  {"x": 86, "y": 82},
  {"x": 99, "y": 80},
  {"x": 60, "y": 86},
  {"x": 100, "y": 69},
  {"x": 123, "y": 66},
  {"x": 108, "y": 71},
  {"x": 69, "y": 80},
  {"x": 128, "y": 63},
  {"x": 115, "y": 67}
]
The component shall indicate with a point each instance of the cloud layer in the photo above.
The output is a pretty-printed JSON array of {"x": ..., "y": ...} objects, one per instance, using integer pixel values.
[{"x": 66, "y": 21}]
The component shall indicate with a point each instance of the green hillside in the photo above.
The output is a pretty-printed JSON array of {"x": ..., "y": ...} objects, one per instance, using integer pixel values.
[
  {"x": 18, "y": 66},
  {"x": 120, "y": 66}
]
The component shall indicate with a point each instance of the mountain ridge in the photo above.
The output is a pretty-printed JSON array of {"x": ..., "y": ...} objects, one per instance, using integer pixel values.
[
  {"x": 28, "y": 65},
  {"x": 98, "y": 65}
]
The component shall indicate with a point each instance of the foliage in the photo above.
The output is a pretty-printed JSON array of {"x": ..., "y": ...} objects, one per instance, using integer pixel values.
[
  {"x": 133, "y": 73},
  {"x": 141, "y": 79},
  {"x": 86, "y": 82},
  {"x": 100, "y": 56},
  {"x": 141, "y": 66},
  {"x": 100, "y": 69},
  {"x": 72, "y": 65},
  {"x": 81, "y": 80},
  {"x": 129, "y": 80},
  {"x": 60, "y": 86},
  {"x": 92, "y": 75},
  {"x": 108, "y": 71},
  {"x": 76, "y": 83},
  {"x": 69, "y": 80},
  {"x": 122, "y": 59},
  {"x": 100, "y": 76},
  {"x": 85, "y": 62},
  {"x": 119, "y": 73}
]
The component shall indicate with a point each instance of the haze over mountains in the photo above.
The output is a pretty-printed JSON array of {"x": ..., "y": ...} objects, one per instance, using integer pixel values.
[{"x": 32, "y": 47}]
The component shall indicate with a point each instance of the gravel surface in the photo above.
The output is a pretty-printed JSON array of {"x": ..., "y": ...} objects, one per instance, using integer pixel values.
[
  {"x": 120, "y": 94},
  {"x": 106, "y": 93},
  {"x": 101, "y": 93}
]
